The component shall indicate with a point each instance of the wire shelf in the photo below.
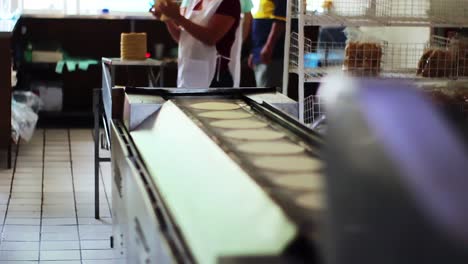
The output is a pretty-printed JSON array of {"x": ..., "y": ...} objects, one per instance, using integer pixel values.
[
  {"x": 314, "y": 108},
  {"x": 438, "y": 59},
  {"x": 383, "y": 12}
]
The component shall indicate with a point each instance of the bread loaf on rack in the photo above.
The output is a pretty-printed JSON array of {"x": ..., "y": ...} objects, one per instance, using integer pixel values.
[
  {"x": 437, "y": 63},
  {"x": 363, "y": 58},
  {"x": 133, "y": 46}
]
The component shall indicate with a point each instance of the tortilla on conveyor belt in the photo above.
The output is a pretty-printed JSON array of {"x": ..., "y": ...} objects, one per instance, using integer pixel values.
[
  {"x": 249, "y": 134},
  {"x": 271, "y": 147},
  {"x": 311, "y": 201},
  {"x": 306, "y": 182},
  {"x": 225, "y": 115},
  {"x": 215, "y": 106},
  {"x": 239, "y": 124},
  {"x": 289, "y": 164}
]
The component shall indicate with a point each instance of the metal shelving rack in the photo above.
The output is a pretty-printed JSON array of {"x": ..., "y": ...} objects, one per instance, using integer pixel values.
[{"x": 399, "y": 60}]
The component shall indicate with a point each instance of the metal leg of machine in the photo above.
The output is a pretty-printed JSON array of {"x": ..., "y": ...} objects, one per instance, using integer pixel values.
[
  {"x": 9, "y": 155},
  {"x": 161, "y": 77},
  {"x": 101, "y": 141},
  {"x": 97, "y": 112}
]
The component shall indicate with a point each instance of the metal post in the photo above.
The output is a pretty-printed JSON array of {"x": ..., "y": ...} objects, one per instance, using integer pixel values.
[
  {"x": 132, "y": 25},
  {"x": 161, "y": 76},
  {"x": 9, "y": 155},
  {"x": 287, "y": 45},
  {"x": 97, "y": 113},
  {"x": 300, "y": 69}
]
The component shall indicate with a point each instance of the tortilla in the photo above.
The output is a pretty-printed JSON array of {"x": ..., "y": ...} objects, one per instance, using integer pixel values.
[
  {"x": 311, "y": 201},
  {"x": 271, "y": 147},
  {"x": 225, "y": 115},
  {"x": 249, "y": 134},
  {"x": 289, "y": 164},
  {"x": 307, "y": 182},
  {"x": 215, "y": 106},
  {"x": 239, "y": 124}
]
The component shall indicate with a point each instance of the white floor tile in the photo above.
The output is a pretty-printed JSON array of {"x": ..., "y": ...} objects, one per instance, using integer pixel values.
[
  {"x": 60, "y": 262},
  {"x": 24, "y": 201},
  {"x": 60, "y": 236},
  {"x": 107, "y": 261},
  {"x": 21, "y": 236},
  {"x": 60, "y": 255},
  {"x": 93, "y": 221},
  {"x": 21, "y": 228},
  {"x": 95, "y": 244},
  {"x": 60, "y": 245},
  {"x": 97, "y": 254},
  {"x": 23, "y": 221},
  {"x": 55, "y": 189},
  {"x": 95, "y": 236},
  {"x": 24, "y": 208},
  {"x": 24, "y": 214},
  {"x": 19, "y": 246},
  {"x": 19, "y": 255},
  {"x": 59, "y": 221}
]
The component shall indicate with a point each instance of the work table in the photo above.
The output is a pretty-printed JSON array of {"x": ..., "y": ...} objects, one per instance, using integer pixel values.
[{"x": 6, "y": 31}]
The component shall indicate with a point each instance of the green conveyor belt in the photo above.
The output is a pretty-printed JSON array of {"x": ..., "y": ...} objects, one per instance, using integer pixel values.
[{"x": 220, "y": 210}]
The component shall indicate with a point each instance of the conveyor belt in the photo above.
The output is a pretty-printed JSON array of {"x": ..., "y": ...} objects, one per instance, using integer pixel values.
[
  {"x": 219, "y": 215},
  {"x": 287, "y": 198}
]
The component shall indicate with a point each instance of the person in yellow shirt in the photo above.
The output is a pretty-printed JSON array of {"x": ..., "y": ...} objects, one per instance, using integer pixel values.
[{"x": 268, "y": 27}]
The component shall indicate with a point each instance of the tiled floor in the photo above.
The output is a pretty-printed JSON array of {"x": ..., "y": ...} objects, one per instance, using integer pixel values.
[{"x": 47, "y": 202}]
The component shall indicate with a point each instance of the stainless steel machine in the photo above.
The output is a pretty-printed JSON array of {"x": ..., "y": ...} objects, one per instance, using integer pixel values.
[
  {"x": 396, "y": 176},
  {"x": 198, "y": 178}
]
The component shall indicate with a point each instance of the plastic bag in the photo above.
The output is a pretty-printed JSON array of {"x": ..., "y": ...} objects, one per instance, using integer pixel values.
[
  {"x": 29, "y": 99},
  {"x": 363, "y": 53},
  {"x": 25, "y": 106}
]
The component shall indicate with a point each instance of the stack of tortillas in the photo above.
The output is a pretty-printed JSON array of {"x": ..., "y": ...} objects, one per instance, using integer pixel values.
[
  {"x": 164, "y": 17},
  {"x": 133, "y": 46}
]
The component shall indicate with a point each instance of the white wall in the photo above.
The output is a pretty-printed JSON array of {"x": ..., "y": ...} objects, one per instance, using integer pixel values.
[
  {"x": 81, "y": 6},
  {"x": 399, "y": 34}
]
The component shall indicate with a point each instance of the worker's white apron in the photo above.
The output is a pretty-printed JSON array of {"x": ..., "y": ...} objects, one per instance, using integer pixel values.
[
  {"x": 197, "y": 61},
  {"x": 236, "y": 53}
]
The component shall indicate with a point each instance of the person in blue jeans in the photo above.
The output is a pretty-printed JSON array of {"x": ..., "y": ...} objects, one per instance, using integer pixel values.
[{"x": 268, "y": 28}]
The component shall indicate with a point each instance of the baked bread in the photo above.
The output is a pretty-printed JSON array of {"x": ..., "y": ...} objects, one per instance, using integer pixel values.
[
  {"x": 423, "y": 60},
  {"x": 363, "y": 58},
  {"x": 437, "y": 63}
]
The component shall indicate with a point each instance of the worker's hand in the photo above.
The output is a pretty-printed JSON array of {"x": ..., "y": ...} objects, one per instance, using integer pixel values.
[
  {"x": 266, "y": 54},
  {"x": 250, "y": 61},
  {"x": 170, "y": 9},
  {"x": 156, "y": 11}
]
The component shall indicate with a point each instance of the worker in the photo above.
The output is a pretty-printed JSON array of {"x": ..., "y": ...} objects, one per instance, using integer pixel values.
[
  {"x": 205, "y": 33},
  {"x": 268, "y": 27},
  {"x": 242, "y": 34}
]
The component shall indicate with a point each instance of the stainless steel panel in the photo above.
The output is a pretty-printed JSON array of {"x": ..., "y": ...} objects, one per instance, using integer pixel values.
[
  {"x": 107, "y": 84},
  {"x": 119, "y": 211},
  {"x": 145, "y": 241}
]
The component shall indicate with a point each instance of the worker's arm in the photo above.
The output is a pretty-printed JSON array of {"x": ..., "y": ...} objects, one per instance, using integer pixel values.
[
  {"x": 173, "y": 29},
  {"x": 209, "y": 35},
  {"x": 276, "y": 32},
  {"x": 246, "y": 25}
]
